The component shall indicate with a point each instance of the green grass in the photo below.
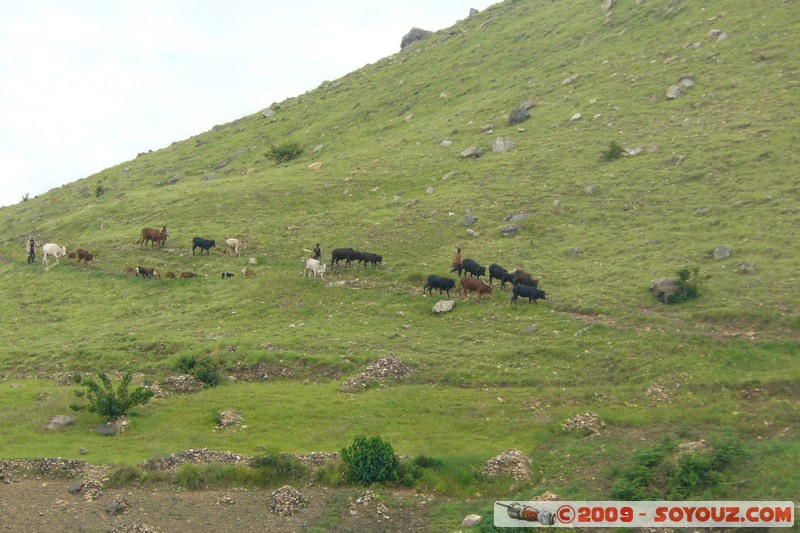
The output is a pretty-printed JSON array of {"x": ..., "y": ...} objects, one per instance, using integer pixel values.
[{"x": 485, "y": 377}]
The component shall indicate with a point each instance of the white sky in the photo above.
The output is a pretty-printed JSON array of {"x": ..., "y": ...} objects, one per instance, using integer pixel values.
[{"x": 88, "y": 84}]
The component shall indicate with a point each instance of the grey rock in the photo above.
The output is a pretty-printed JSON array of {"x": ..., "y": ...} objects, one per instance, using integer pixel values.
[
  {"x": 469, "y": 219},
  {"x": 444, "y": 306},
  {"x": 510, "y": 230},
  {"x": 571, "y": 79},
  {"x": 516, "y": 217},
  {"x": 746, "y": 267},
  {"x": 268, "y": 113},
  {"x": 674, "y": 91},
  {"x": 472, "y": 233},
  {"x": 107, "y": 429},
  {"x": 447, "y": 142},
  {"x": 472, "y": 151},
  {"x": 518, "y": 115},
  {"x": 471, "y": 520},
  {"x": 576, "y": 117},
  {"x": 429, "y": 190},
  {"x": 533, "y": 328},
  {"x": 60, "y": 421},
  {"x": 173, "y": 180},
  {"x": 76, "y": 487},
  {"x": 501, "y": 145},
  {"x": 450, "y": 174},
  {"x": 722, "y": 252},
  {"x": 317, "y": 148},
  {"x": 575, "y": 252},
  {"x": 416, "y": 34},
  {"x": 664, "y": 288}
]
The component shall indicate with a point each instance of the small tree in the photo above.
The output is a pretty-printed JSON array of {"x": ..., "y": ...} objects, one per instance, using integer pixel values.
[
  {"x": 106, "y": 402},
  {"x": 369, "y": 460},
  {"x": 613, "y": 152}
]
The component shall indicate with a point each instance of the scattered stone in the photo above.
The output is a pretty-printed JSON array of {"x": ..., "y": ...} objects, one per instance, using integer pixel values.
[
  {"x": 520, "y": 114},
  {"x": 172, "y": 462},
  {"x": 429, "y": 190},
  {"x": 576, "y": 117},
  {"x": 134, "y": 528},
  {"x": 472, "y": 233},
  {"x": 721, "y": 252},
  {"x": 118, "y": 506},
  {"x": 472, "y": 151},
  {"x": 471, "y": 520},
  {"x": 443, "y": 306},
  {"x": 447, "y": 142},
  {"x": 227, "y": 419},
  {"x": 674, "y": 91},
  {"x": 92, "y": 489},
  {"x": 746, "y": 267},
  {"x": 510, "y": 230},
  {"x": 60, "y": 421},
  {"x": 571, "y": 80},
  {"x": 533, "y": 328},
  {"x": 632, "y": 151},
  {"x": 225, "y": 500},
  {"x": 516, "y": 217},
  {"x": 173, "y": 180},
  {"x": 287, "y": 501},
  {"x": 587, "y": 423},
  {"x": 575, "y": 252},
  {"x": 387, "y": 367},
  {"x": 63, "y": 379},
  {"x": 700, "y": 446},
  {"x": 546, "y": 497},
  {"x": 511, "y": 462},
  {"x": 450, "y": 174}
]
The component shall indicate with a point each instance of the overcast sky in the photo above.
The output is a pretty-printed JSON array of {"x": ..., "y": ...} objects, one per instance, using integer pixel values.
[{"x": 85, "y": 84}]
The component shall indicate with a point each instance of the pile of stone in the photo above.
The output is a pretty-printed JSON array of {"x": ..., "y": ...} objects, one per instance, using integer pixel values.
[
  {"x": 316, "y": 459},
  {"x": 92, "y": 489},
  {"x": 158, "y": 392},
  {"x": 696, "y": 447},
  {"x": 229, "y": 419},
  {"x": 659, "y": 393},
  {"x": 134, "y": 528},
  {"x": 171, "y": 463},
  {"x": 48, "y": 467},
  {"x": 63, "y": 379},
  {"x": 588, "y": 423},
  {"x": 287, "y": 501},
  {"x": 388, "y": 367},
  {"x": 512, "y": 463},
  {"x": 181, "y": 384}
]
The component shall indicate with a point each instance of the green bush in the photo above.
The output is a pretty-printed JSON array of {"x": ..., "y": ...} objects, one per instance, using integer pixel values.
[
  {"x": 613, "y": 152},
  {"x": 123, "y": 475},
  {"x": 204, "y": 369},
  {"x": 108, "y": 403},
  {"x": 284, "y": 152},
  {"x": 369, "y": 460}
]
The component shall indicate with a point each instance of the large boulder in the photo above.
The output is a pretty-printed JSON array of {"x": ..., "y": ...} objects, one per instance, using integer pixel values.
[
  {"x": 664, "y": 289},
  {"x": 416, "y": 34},
  {"x": 60, "y": 421},
  {"x": 444, "y": 306}
]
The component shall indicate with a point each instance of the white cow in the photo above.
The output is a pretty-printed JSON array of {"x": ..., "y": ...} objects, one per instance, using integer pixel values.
[
  {"x": 315, "y": 266},
  {"x": 52, "y": 249},
  {"x": 234, "y": 245}
]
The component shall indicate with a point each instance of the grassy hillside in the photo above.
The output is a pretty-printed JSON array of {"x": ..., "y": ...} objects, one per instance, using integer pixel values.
[{"x": 717, "y": 167}]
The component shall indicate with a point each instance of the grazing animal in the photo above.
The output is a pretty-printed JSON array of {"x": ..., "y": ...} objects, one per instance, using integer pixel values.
[
  {"x": 170, "y": 275},
  {"x": 153, "y": 235},
  {"x": 248, "y": 272},
  {"x": 474, "y": 285},
  {"x": 531, "y": 293},
  {"x": 148, "y": 273},
  {"x": 234, "y": 246},
  {"x": 471, "y": 267},
  {"x": 72, "y": 256},
  {"x": 227, "y": 275},
  {"x": 53, "y": 249},
  {"x": 439, "y": 282},
  {"x": 498, "y": 272},
  {"x": 523, "y": 278},
  {"x": 203, "y": 244},
  {"x": 129, "y": 270},
  {"x": 84, "y": 255},
  {"x": 348, "y": 254},
  {"x": 315, "y": 267},
  {"x": 371, "y": 258},
  {"x": 188, "y": 275}
]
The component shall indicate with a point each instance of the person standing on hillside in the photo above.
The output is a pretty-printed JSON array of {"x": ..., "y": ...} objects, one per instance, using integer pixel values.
[
  {"x": 457, "y": 261},
  {"x": 31, "y": 247},
  {"x": 317, "y": 253}
]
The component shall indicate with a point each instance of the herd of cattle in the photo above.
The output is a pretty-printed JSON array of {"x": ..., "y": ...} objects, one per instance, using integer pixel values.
[{"x": 523, "y": 284}]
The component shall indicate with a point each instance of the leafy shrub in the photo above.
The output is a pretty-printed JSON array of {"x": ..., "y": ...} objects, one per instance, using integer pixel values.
[
  {"x": 123, "y": 475},
  {"x": 410, "y": 472},
  {"x": 106, "y": 402},
  {"x": 369, "y": 460},
  {"x": 282, "y": 153},
  {"x": 613, "y": 152},
  {"x": 204, "y": 369}
]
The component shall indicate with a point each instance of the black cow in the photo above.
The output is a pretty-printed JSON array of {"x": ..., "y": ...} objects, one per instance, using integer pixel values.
[
  {"x": 468, "y": 265},
  {"x": 439, "y": 282},
  {"x": 348, "y": 254},
  {"x": 531, "y": 293},
  {"x": 203, "y": 244},
  {"x": 498, "y": 272},
  {"x": 371, "y": 258},
  {"x": 523, "y": 278},
  {"x": 227, "y": 275}
]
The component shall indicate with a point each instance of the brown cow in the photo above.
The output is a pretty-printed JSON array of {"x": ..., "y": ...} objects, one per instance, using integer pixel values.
[
  {"x": 248, "y": 272},
  {"x": 129, "y": 270},
  {"x": 520, "y": 277},
  {"x": 153, "y": 235},
  {"x": 188, "y": 275},
  {"x": 72, "y": 256},
  {"x": 84, "y": 255},
  {"x": 170, "y": 275},
  {"x": 474, "y": 285}
]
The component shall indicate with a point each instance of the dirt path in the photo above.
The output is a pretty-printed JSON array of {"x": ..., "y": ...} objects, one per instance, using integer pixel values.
[{"x": 46, "y": 505}]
